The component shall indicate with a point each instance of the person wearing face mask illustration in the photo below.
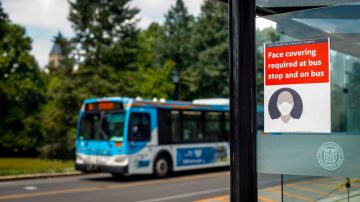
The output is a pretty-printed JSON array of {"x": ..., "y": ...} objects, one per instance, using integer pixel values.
[
  {"x": 285, "y": 104},
  {"x": 285, "y": 107}
]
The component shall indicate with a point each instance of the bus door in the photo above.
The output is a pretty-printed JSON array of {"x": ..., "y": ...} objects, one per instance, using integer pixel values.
[{"x": 142, "y": 131}]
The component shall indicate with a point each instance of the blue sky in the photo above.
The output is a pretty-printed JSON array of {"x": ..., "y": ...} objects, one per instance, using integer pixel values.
[{"x": 43, "y": 19}]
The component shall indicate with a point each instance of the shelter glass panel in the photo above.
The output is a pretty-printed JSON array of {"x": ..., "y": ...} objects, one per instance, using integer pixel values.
[{"x": 308, "y": 169}]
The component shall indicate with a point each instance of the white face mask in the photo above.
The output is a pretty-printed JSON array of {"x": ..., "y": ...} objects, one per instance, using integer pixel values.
[{"x": 285, "y": 108}]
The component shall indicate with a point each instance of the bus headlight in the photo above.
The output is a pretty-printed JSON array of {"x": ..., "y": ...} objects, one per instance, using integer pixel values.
[
  {"x": 80, "y": 158},
  {"x": 121, "y": 159}
]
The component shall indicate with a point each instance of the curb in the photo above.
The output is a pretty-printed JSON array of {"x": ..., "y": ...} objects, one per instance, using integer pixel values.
[{"x": 40, "y": 175}]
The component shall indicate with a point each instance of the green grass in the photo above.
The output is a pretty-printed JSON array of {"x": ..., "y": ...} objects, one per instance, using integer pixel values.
[{"x": 18, "y": 166}]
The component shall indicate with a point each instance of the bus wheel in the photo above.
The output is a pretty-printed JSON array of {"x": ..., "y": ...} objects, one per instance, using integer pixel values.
[{"x": 162, "y": 167}]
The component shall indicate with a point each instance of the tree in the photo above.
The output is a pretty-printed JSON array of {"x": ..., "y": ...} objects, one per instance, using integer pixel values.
[
  {"x": 21, "y": 90},
  {"x": 154, "y": 82},
  {"x": 152, "y": 45},
  {"x": 59, "y": 114},
  {"x": 106, "y": 52},
  {"x": 3, "y": 16},
  {"x": 208, "y": 74},
  {"x": 176, "y": 41},
  {"x": 105, "y": 32},
  {"x": 151, "y": 79},
  {"x": 107, "y": 45}
]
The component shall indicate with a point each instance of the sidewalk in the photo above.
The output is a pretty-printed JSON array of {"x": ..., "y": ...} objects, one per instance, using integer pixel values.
[
  {"x": 39, "y": 175},
  {"x": 317, "y": 189}
]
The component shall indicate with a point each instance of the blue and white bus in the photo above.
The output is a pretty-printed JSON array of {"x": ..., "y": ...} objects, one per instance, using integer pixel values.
[{"x": 126, "y": 136}]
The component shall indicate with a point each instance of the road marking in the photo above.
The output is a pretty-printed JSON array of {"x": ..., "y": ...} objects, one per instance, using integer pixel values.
[
  {"x": 289, "y": 194},
  {"x": 225, "y": 198},
  {"x": 322, "y": 182},
  {"x": 167, "y": 198},
  {"x": 30, "y": 188},
  {"x": 354, "y": 185},
  {"x": 297, "y": 187},
  {"x": 309, "y": 181},
  {"x": 97, "y": 188},
  {"x": 265, "y": 199}
]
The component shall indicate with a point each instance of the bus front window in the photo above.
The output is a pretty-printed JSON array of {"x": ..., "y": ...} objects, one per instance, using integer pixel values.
[
  {"x": 102, "y": 126},
  {"x": 114, "y": 126}
]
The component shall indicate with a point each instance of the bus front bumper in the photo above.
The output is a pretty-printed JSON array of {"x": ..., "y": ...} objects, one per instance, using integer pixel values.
[{"x": 102, "y": 168}]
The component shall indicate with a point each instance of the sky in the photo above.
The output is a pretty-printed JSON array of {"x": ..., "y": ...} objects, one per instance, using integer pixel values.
[{"x": 43, "y": 19}]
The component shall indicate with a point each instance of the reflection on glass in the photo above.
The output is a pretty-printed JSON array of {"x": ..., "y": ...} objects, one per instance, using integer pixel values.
[
  {"x": 302, "y": 188},
  {"x": 304, "y": 3},
  {"x": 342, "y": 24}
]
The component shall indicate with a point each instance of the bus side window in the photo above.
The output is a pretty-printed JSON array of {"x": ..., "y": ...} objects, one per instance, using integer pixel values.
[
  {"x": 139, "y": 128},
  {"x": 192, "y": 130},
  {"x": 164, "y": 126},
  {"x": 175, "y": 126},
  {"x": 213, "y": 127}
]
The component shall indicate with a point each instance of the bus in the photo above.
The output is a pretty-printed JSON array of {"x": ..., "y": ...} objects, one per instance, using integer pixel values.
[{"x": 127, "y": 136}]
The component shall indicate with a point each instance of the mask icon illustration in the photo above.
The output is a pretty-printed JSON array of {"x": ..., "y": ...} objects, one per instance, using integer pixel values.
[
  {"x": 285, "y": 104},
  {"x": 285, "y": 108}
]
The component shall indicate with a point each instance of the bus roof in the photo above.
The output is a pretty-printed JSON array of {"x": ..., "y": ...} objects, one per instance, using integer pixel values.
[{"x": 167, "y": 104}]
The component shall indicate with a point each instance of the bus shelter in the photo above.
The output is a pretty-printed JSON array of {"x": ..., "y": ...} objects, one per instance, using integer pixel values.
[{"x": 296, "y": 154}]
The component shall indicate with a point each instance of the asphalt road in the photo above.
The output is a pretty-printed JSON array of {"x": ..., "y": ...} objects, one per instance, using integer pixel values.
[{"x": 185, "y": 186}]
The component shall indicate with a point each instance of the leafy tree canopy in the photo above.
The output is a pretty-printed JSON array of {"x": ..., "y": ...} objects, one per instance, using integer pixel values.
[{"x": 21, "y": 89}]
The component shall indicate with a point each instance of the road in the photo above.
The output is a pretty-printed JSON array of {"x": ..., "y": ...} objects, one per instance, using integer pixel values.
[{"x": 185, "y": 186}]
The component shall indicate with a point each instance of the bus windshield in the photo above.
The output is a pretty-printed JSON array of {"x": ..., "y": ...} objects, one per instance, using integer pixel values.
[{"x": 102, "y": 125}]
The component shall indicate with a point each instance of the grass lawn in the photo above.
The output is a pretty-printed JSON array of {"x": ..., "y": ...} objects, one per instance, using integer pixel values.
[{"x": 18, "y": 166}]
